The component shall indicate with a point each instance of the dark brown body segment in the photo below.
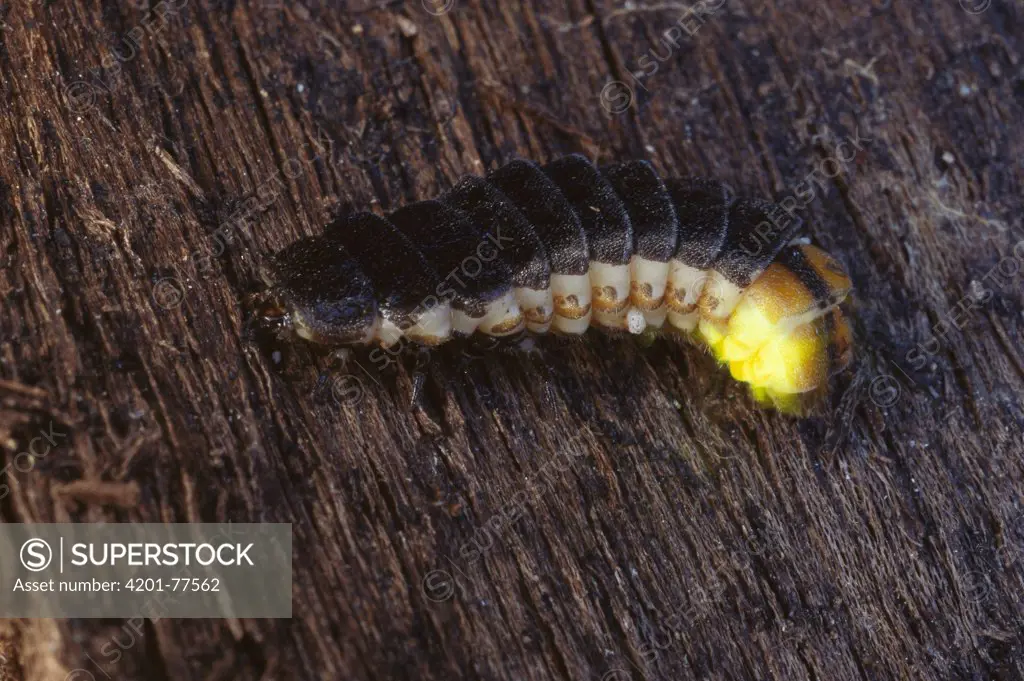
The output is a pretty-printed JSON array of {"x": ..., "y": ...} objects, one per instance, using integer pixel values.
[
  {"x": 702, "y": 207},
  {"x": 548, "y": 211},
  {"x": 322, "y": 284},
  {"x": 452, "y": 245},
  {"x": 402, "y": 278},
  {"x": 500, "y": 222},
  {"x": 758, "y": 230},
  {"x": 601, "y": 212},
  {"x": 654, "y": 220}
]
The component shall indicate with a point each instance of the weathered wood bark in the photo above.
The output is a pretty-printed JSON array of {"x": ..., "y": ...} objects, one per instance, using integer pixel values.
[{"x": 605, "y": 510}]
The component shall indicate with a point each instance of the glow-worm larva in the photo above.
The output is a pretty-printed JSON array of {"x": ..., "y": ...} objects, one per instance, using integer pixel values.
[{"x": 566, "y": 246}]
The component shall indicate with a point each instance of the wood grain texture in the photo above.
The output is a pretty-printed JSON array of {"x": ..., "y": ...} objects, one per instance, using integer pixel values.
[{"x": 602, "y": 511}]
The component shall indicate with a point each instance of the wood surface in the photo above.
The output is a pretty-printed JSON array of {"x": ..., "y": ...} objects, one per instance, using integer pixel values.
[{"x": 598, "y": 510}]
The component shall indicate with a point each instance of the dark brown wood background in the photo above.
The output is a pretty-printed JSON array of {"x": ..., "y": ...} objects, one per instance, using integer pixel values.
[{"x": 602, "y": 511}]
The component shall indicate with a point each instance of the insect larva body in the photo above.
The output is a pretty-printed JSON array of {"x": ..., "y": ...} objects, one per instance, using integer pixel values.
[{"x": 567, "y": 246}]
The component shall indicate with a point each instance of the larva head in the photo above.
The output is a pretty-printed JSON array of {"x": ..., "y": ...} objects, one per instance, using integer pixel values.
[
  {"x": 319, "y": 293},
  {"x": 786, "y": 336}
]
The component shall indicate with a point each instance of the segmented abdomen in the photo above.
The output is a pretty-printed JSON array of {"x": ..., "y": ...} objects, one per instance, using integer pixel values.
[{"x": 562, "y": 247}]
